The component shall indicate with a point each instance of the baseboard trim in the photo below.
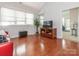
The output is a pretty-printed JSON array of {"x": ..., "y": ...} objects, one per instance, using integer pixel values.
[
  {"x": 18, "y": 37},
  {"x": 59, "y": 38}
]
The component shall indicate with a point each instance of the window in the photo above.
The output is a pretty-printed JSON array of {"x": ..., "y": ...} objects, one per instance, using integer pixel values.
[
  {"x": 41, "y": 19},
  {"x": 20, "y": 23},
  {"x": 29, "y": 18},
  {"x": 7, "y": 16},
  {"x": 12, "y": 17},
  {"x": 67, "y": 24},
  {"x": 66, "y": 20},
  {"x": 20, "y": 18},
  {"x": 63, "y": 21},
  {"x": 7, "y": 23},
  {"x": 7, "y": 12},
  {"x": 20, "y": 14}
]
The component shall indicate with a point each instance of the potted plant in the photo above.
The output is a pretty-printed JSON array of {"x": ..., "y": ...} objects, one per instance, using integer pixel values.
[{"x": 37, "y": 24}]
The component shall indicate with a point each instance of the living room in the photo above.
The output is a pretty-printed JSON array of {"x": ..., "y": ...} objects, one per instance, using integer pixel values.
[{"x": 27, "y": 38}]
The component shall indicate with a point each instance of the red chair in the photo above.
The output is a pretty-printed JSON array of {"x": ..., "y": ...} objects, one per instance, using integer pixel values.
[{"x": 6, "y": 49}]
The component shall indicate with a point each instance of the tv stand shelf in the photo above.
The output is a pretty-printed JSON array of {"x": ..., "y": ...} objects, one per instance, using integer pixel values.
[{"x": 48, "y": 32}]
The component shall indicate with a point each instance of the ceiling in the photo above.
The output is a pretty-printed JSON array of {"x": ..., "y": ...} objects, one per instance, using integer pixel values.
[{"x": 35, "y": 5}]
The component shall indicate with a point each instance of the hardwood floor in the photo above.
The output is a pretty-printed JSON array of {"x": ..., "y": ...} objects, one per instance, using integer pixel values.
[{"x": 40, "y": 46}]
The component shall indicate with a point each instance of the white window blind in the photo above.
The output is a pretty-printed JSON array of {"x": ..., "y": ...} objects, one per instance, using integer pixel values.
[
  {"x": 7, "y": 16},
  {"x": 21, "y": 23},
  {"x": 12, "y": 17},
  {"x": 20, "y": 18},
  {"x": 7, "y": 12},
  {"x": 29, "y": 18},
  {"x": 20, "y": 14},
  {"x": 7, "y": 23}
]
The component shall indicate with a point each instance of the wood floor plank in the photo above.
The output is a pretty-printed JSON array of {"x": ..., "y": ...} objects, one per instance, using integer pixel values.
[{"x": 40, "y": 46}]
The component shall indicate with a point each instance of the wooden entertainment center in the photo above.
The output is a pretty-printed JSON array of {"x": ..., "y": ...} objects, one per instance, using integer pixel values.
[{"x": 49, "y": 32}]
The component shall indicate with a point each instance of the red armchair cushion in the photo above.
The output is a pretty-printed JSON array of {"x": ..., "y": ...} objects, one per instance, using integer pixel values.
[{"x": 6, "y": 49}]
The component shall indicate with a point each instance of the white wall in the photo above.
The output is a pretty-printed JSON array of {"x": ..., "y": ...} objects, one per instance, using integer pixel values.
[
  {"x": 14, "y": 29},
  {"x": 78, "y": 23},
  {"x": 53, "y": 10}
]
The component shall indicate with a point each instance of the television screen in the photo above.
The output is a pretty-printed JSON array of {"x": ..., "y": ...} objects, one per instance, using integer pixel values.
[
  {"x": 47, "y": 23},
  {"x": 2, "y": 39}
]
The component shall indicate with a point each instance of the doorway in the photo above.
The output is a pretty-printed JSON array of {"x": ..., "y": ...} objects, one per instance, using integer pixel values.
[{"x": 70, "y": 24}]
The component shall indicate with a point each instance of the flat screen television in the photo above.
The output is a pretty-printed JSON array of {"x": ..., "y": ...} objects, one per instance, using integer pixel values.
[{"x": 47, "y": 23}]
